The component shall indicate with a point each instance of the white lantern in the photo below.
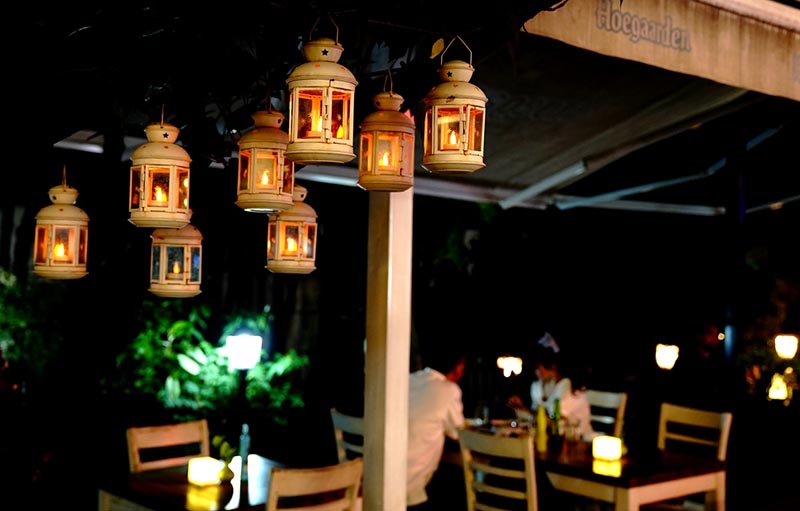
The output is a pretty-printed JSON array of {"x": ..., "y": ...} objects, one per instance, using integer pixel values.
[
  {"x": 786, "y": 345},
  {"x": 175, "y": 262},
  {"x": 62, "y": 236},
  {"x": 321, "y": 94},
  {"x": 292, "y": 237},
  {"x": 608, "y": 448},
  {"x": 266, "y": 178},
  {"x": 159, "y": 180},
  {"x": 454, "y": 120},
  {"x": 386, "y": 148}
]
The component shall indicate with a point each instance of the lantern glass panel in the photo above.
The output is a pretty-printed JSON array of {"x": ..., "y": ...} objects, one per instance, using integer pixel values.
[
  {"x": 156, "y": 264},
  {"x": 265, "y": 176},
  {"x": 340, "y": 115},
  {"x": 449, "y": 131},
  {"x": 406, "y": 162},
  {"x": 290, "y": 239},
  {"x": 159, "y": 187},
  {"x": 83, "y": 239},
  {"x": 365, "y": 152},
  {"x": 183, "y": 189},
  {"x": 476, "y": 129},
  {"x": 41, "y": 244},
  {"x": 428, "y": 140},
  {"x": 387, "y": 151},
  {"x": 288, "y": 177},
  {"x": 271, "y": 242},
  {"x": 136, "y": 187},
  {"x": 311, "y": 241},
  {"x": 63, "y": 239},
  {"x": 195, "y": 268},
  {"x": 309, "y": 107},
  {"x": 174, "y": 269},
  {"x": 244, "y": 169}
]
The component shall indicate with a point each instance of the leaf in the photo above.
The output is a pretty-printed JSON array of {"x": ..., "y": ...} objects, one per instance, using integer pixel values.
[
  {"x": 438, "y": 47},
  {"x": 188, "y": 365}
]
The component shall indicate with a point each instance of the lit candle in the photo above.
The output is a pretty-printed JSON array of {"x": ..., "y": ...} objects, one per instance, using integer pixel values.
[
  {"x": 59, "y": 252},
  {"x": 291, "y": 245},
  {"x": 160, "y": 196},
  {"x": 384, "y": 161},
  {"x": 340, "y": 132},
  {"x": 265, "y": 178},
  {"x": 176, "y": 273},
  {"x": 666, "y": 355}
]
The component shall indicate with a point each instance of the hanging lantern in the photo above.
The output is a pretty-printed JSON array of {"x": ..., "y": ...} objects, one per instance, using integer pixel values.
[
  {"x": 175, "y": 262},
  {"x": 62, "y": 236},
  {"x": 266, "y": 178},
  {"x": 321, "y": 106},
  {"x": 292, "y": 237},
  {"x": 454, "y": 120},
  {"x": 386, "y": 154},
  {"x": 159, "y": 181}
]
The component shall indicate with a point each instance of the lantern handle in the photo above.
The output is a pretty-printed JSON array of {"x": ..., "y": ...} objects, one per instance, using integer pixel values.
[
  {"x": 441, "y": 57},
  {"x": 311, "y": 33},
  {"x": 388, "y": 78}
]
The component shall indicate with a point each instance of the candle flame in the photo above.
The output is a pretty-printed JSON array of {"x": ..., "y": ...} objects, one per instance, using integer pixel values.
[
  {"x": 176, "y": 268},
  {"x": 265, "y": 178},
  {"x": 340, "y": 132},
  {"x": 384, "y": 159},
  {"x": 58, "y": 250},
  {"x": 291, "y": 245},
  {"x": 159, "y": 194},
  {"x": 452, "y": 139}
]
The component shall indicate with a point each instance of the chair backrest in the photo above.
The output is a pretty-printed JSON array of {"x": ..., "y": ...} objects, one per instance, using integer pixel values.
[
  {"x": 499, "y": 471},
  {"x": 680, "y": 427},
  {"x": 349, "y": 431},
  {"x": 169, "y": 445},
  {"x": 608, "y": 410},
  {"x": 329, "y": 488}
]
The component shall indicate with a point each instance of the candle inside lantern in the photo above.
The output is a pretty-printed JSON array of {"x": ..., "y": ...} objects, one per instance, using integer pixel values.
[
  {"x": 176, "y": 272},
  {"x": 159, "y": 197},
  {"x": 204, "y": 470},
  {"x": 291, "y": 245},
  {"x": 384, "y": 161},
  {"x": 265, "y": 178},
  {"x": 59, "y": 252}
]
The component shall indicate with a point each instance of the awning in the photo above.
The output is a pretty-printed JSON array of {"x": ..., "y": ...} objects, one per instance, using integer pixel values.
[{"x": 751, "y": 44}]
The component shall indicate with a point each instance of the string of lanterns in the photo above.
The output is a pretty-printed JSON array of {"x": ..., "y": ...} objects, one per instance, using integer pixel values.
[{"x": 320, "y": 130}]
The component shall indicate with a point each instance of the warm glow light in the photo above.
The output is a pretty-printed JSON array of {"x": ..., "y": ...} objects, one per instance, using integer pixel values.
[
  {"x": 452, "y": 139},
  {"x": 666, "y": 355},
  {"x": 786, "y": 345},
  {"x": 159, "y": 194},
  {"x": 778, "y": 389},
  {"x": 509, "y": 365},
  {"x": 340, "y": 132},
  {"x": 204, "y": 470},
  {"x": 384, "y": 162},
  {"x": 265, "y": 178},
  {"x": 176, "y": 267},
  {"x": 243, "y": 351},
  {"x": 59, "y": 252},
  {"x": 606, "y": 447},
  {"x": 291, "y": 245},
  {"x": 607, "y": 468}
]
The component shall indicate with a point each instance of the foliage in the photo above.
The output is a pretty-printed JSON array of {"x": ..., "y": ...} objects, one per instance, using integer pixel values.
[{"x": 171, "y": 360}]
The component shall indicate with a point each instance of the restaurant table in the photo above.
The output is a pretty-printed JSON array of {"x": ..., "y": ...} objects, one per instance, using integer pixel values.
[
  {"x": 638, "y": 478},
  {"x": 169, "y": 489}
]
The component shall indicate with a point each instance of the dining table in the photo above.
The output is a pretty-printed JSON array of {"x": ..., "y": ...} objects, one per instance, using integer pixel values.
[
  {"x": 169, "y": 489},
  {"x": 639, "y": 477}
]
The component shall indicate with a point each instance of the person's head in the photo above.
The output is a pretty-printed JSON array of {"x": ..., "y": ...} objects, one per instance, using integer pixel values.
[
  {"x": 450, "y": 363},
  {"x": 546, "y": 365}
]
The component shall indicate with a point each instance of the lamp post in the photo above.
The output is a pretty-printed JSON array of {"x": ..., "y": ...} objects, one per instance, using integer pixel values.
[{"x": 243, "y": 352}]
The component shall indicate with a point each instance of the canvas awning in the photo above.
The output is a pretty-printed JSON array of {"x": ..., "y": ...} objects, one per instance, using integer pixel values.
[{"x": 751, "y": 44}]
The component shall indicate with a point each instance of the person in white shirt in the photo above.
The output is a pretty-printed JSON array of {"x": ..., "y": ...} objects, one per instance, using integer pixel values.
[{"x": 435, "y": 411}]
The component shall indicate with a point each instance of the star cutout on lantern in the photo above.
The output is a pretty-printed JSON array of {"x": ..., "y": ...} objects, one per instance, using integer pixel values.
[
  {"x": 165, "y": 135},
  {"x": 378, "y": 104},
  {"x": 325, "y": 52},
  {"x": 449, "y": 74}
]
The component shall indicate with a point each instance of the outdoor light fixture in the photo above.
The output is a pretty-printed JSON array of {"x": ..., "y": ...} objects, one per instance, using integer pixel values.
[
  {"x": 510, "y": 365},
  {"x": 607, "y": 468},
  {"x": 175, "y": 262},
  {"x": 608, "y": 448},
  {"x": 159, "y": 180},
  {"x": 786, "y": 345},
  {"x": 292, "y": 237},
  {"x": 666, "y": 355},
  {"x": 266, "y": 178},
  {"x": 62, "y": 236},
  {"x": 386, "y": 154},
  {"x": 321, "y": 94},
  {"x": 243, "y": 351},
  {"x": 454, "y": 120}
]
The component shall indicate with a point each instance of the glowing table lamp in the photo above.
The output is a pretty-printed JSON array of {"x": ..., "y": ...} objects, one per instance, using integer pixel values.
[
  {"x": 607, "y": 448},
  {"x": 204, "y": 470}
]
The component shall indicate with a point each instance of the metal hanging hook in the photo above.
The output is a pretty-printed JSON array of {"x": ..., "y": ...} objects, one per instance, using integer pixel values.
[
  {"x": 311, "y": 33},
  {"x": 441, "y": 57}
]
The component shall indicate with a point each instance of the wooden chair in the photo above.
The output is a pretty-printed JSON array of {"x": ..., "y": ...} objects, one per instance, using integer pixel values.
[
  {"x": 499, "y": 471},
  {"x": 349, "y": 431},
  {"x": 329, "y": 488},
  {"x": 703, "y": 432},
  {"x": 608, "y": 410},
  {"x": 170, "y": 445}
]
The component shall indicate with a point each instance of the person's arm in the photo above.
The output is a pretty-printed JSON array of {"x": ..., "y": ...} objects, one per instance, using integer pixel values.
[{"x": 455, "y": 412}]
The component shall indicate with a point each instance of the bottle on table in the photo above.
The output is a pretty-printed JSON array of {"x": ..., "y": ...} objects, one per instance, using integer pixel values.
[{"x": 244, "y": 448}]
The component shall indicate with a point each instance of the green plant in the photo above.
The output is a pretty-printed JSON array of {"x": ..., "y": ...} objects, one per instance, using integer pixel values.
[{"x": 171, "y": 364}]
